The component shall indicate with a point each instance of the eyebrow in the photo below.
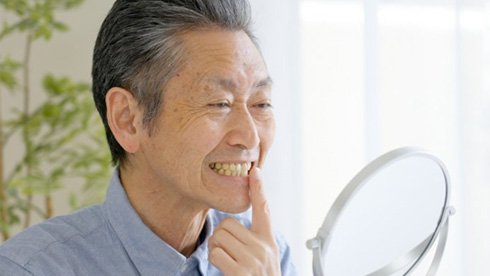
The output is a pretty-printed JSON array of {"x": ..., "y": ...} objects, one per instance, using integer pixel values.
[
  {"x": 265, "y": 82},
  {"x": 231, "y": 85}
]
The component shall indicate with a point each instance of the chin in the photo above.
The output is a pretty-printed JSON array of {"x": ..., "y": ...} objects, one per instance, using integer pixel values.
[
  {"x": 234, "y": 205},
  {"x": 235, "y": 210}
]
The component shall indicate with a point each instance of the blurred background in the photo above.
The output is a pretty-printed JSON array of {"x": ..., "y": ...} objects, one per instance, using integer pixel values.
[{"x": 353, "y": 79}]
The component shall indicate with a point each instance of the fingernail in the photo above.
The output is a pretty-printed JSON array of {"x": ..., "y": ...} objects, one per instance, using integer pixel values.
[{"x": 255, "y": 173}]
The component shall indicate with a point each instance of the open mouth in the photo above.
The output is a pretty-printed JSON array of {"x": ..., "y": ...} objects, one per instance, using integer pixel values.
[{"x": 232, "y": 169}]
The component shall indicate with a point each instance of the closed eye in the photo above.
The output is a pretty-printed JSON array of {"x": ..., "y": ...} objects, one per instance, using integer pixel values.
[
  {"x": 264, "y": 105},
  {"x": 220, "y": 105}
]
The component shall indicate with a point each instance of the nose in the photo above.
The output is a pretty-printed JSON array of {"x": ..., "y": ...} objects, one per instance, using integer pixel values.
[{"x": 243, "y": 130}]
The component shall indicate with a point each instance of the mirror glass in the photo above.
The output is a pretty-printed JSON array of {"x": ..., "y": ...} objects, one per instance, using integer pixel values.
[{"x": 391, "y": 211}]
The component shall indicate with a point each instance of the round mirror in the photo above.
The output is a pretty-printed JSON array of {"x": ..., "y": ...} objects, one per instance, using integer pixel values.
[{"x": 386, "y": 219}]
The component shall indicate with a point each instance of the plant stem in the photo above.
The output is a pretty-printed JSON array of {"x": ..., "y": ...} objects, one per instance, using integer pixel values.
[
  {"x": 4, "y": 218},
  {"x": 49, "y": 205},
  {"x": 25, "y": 132}
]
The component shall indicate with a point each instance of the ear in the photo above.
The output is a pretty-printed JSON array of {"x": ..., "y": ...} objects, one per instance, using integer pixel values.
[{"x": 124, "y": 118}]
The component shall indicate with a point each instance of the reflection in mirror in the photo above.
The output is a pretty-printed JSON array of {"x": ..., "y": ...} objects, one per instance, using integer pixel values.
[{"x": 386, "y": 218}]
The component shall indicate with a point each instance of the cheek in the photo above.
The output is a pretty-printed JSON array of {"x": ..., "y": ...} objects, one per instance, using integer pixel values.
[
  {"x": 202, "y": 138},
  {"x": 267, "y": 133}
]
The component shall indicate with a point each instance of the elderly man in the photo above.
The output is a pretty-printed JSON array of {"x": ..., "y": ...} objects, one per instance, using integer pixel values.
[{"x": 185, "y": 98}]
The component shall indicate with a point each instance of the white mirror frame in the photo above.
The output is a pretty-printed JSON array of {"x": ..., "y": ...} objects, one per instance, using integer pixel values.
[{"x": 411, "y": 259}]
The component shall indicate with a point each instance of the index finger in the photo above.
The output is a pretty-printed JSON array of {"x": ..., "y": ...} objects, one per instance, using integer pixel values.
[{"x": 261, "y": 222}]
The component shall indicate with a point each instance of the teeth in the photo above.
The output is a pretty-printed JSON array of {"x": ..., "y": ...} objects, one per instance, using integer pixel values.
[
  {"x": 231, "y": 169},
  {"x": 244, "y": 170}
]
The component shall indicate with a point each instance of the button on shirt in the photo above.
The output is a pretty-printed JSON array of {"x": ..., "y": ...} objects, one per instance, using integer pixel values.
[{"x": 110, "y": 239}]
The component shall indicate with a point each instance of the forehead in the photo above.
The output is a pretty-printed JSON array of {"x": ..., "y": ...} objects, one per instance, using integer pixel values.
[{"x": 227, "y": 58}]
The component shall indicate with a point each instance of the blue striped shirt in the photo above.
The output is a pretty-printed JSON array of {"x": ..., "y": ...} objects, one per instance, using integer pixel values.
[{"x": 110, "y": 239}]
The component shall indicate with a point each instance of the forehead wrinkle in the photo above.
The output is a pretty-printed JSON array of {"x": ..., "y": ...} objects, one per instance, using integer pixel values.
[{"x": 230, "y": 85}]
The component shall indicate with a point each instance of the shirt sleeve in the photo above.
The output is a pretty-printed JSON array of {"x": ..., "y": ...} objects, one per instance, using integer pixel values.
[
  {"x": 287, "y": 265},
  {"x": 8, "y": 267}
]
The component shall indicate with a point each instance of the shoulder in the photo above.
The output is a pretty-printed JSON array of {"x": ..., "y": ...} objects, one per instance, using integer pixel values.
[
  {"x": 49, "y": 237},
  {"x": 9, "y": 267}
]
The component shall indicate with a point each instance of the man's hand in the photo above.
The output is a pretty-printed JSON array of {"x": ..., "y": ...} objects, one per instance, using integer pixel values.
[{"x": 235, "y": 250}]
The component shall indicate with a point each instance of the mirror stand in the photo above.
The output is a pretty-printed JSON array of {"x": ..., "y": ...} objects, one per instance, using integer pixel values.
[
  {"x": 383, "y": 188},
  {"x": 411, "y": 259}
]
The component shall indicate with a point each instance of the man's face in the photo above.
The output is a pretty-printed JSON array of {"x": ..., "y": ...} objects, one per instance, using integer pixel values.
[{"x": 216, "y": 121}]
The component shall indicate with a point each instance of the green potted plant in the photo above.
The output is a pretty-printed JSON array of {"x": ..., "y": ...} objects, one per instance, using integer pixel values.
[{"x": 62, "y": 137}]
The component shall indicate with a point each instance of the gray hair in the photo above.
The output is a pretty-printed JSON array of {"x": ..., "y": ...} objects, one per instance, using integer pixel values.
[{"x": 139, "y": 47}]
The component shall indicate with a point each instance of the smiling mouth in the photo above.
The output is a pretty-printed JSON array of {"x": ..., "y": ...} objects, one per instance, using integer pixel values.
[{"x": 232, "y": 169}]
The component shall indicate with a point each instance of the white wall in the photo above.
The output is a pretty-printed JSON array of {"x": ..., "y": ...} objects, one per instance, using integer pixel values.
[{"x": 427, "y": 86}]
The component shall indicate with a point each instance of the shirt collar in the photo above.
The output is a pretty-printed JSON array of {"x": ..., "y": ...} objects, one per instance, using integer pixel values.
[{"x": 149, "y": 254}]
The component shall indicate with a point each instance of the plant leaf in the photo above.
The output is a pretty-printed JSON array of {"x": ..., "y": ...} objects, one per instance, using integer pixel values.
[{"x": 8, "y": 68}]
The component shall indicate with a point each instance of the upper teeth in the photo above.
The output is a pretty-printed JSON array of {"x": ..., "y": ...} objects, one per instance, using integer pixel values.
[{"x": 231, "y": 169}]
